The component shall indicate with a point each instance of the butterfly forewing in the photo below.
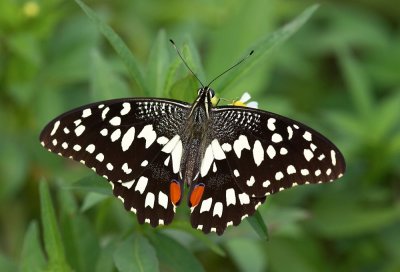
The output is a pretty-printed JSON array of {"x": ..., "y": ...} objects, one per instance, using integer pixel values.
[
  {"x": 267, "y": 153},
  {"x": 123, "y": 140}
]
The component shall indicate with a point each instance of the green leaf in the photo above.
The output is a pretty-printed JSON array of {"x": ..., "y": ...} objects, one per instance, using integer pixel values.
[
  {"x": 51, "y": 234},
  {"x": 136, "y": 254},
  {"x": 183, "y": 225},
  {"x": 6, "y": 265},
  {"x": 356, "y": 82},
  {"x": 183, "y": 89},
  {"x": 120, "y": 47},
  {"x": 32, "y": 256},
  {"x": 264, "y": 46},
  {"x": 157, "y": 65},
  {"x": 333, "y": 220},
  {"x": 257, "y": 223},
  {"x": 92, "y": 183},
  {"x": 105, "y": 82},
  {"x": 173, "y": 256},
  {"x": 247, "y": 254},
  {"x": 92, "y": 199}
]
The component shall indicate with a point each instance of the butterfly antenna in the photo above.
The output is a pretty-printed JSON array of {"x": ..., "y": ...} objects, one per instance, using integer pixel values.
[
  {"x": 184, "y": 62},
  {"x": 233, "y": 66}
]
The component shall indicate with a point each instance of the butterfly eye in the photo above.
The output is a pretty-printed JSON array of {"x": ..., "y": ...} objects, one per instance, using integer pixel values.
[{"x": 212, "y": 93}]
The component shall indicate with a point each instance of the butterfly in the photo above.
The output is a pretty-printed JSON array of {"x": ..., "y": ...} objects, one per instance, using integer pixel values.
[{"x": 229, "y": 157}]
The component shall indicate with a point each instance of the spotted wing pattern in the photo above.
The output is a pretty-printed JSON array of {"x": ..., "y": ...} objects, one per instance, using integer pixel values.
[
  {"x": 267, "y": 153},
  {"x": 131, "y": 143},
  {"x": 223, "y": 203}
]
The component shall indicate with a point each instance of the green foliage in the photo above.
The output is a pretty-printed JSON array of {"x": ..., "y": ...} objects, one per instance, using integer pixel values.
[{"x": 338, "y": 73}]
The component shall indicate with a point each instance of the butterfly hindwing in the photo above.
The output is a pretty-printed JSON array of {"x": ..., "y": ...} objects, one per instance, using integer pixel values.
[
  {"x": 268, "y": 153},
  {"x": 223, "y": 203},
  {"x": 124, "y": 141}
]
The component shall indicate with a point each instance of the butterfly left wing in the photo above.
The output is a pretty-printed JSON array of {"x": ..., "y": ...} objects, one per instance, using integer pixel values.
[{"x": 131, "y": 143}]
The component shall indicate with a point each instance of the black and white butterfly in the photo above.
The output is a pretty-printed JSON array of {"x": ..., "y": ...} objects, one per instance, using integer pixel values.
[{"x": 230, "y": 157}]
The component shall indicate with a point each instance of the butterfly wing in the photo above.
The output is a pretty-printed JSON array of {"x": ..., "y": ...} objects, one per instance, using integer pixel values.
[
  {"x": 223, "y": 203},
  {"x": 267, "y": 152},
  {"x": 129, "y": 142}
]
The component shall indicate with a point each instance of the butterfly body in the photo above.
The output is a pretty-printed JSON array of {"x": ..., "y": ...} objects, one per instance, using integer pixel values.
[{"x": 230, "y": 157}]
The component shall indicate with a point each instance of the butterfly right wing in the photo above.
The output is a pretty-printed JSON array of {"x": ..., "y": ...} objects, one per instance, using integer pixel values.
[{"x": 131, "y": 143}]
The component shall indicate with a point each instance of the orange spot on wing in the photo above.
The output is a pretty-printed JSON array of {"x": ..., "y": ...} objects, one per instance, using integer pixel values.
[
  {"x": 196, "y": 195},
  {"x": 175, "y": 192}
]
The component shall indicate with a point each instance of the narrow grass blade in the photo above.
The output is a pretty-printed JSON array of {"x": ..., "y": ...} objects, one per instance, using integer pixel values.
[
  {"x": 264, "y": 46},
  {"x": 51, "y": 234},
  {"x": 32, "y": 256},
  {"x": 257, "y": 223},
  {"x": 120, "y": 47}
]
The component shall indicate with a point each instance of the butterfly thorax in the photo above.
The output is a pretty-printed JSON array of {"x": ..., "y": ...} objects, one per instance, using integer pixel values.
[{"x": 196, "y": 137}]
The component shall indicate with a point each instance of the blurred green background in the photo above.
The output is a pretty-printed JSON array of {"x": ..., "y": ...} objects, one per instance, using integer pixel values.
[{"x": 339, "y": 73}]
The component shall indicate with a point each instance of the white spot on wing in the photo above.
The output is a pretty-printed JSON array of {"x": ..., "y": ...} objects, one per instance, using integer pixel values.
[
  {"x": 308, "y": 154},
  {"x": 176, "y": 155},
  {"x": 266, "y": 183},
  {"x": 163, "y": 199},
  {"x": 144, "y": 163},
  {"x": 127, "y": 139},
  {"x": 250, "y": 181},
  {"x": 218, "y": 208},
  {"x": 333, "y": 157},
  {"x": 141, "y": 184},
  {"x": 276, "y": 138},
  {"x": 244, "y": 198},
  {"x": 271, "y": 124},
  {"x": 128, "y": 184},
  {"x": 291, "y": 169},
  {"x": 230, "y": 197},
  {"x": 290, "y": 132},
  {"x": 104, "y": 132},
  {"x": 171, "y": 144},
  {"x": 149, "y": 202},
  {"x": 115, "y": 135},
  {"x": 206, "y": 205},
  {"x": 109, "y": 166},
  {"x": 86, "y": 113},
  {"x": 126, "y": 169},
  {"x": 283, "y": 151},
  {"x": 207, "y": 161},
  {"x": 148, "y": 134},
  {"x": 55, "y": 127},
  {"x": 115, "y": 121},
  {"x": 90, "y": 148},
  {"x": 79, "y": 130},
  {"x": 100, "y": 157},
  {"x": 77, "y": 147},
  {"x": 162, "y": 140},
  {"x": 104, "y": 113},
  {"x": 304, "y": 172},
  {"x": 258, "y": 153},
  {"x": 126, "y": 108},
  {"x": 226, "y": 147},
  {"x": 271, "y": 152},
  {"x": 307, "y": 135},
  {"x": 279, "y": 175},
  {"x": 236, "y": 173},
  {"x": 217, "y": 150},
  {"x": 240, "y": 144}
]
